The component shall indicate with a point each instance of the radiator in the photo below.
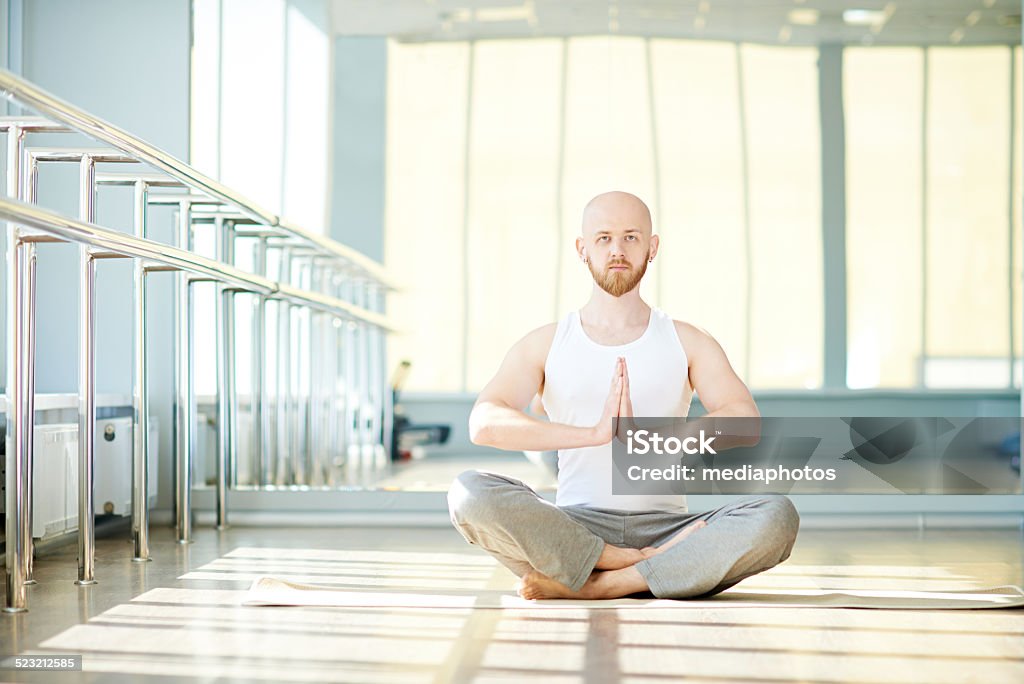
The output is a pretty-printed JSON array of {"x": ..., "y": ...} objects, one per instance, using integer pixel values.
[{"x": 55, "y": 473}]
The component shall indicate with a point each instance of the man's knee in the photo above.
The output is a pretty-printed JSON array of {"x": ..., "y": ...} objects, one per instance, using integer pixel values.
[
  {"x": 468, "y": 496},
  {"x": 782, "y": 522}
]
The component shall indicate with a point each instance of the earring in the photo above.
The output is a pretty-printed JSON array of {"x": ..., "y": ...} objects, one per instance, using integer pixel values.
[{"x": 651, "y": 260}]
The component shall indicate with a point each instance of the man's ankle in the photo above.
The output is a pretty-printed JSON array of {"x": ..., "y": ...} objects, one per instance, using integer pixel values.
[{"x": 616, "y": 557}]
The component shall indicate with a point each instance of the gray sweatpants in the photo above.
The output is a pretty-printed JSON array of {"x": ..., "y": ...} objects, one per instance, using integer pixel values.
[{"x": 525, "y": 532}]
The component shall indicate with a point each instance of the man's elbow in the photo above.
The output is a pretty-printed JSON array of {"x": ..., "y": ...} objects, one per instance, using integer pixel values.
[
  {"x": 479, "y": 428},
  {"x": 746, "y": 419},
  {"x": 480, "y": 435},
  {"x": 755, "y": 424}
]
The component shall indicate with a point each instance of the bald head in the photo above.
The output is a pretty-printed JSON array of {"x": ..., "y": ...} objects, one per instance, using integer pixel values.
[
  {"x": 616, "y": 210},
  {"x": 616, "y": 241}
]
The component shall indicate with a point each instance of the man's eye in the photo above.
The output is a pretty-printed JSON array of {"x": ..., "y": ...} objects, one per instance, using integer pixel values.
[{"x": 631, "y": 237}]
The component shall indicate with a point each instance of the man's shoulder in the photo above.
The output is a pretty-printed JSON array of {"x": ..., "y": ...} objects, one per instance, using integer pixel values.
[
  {"x": 689, "y": 329},
  {"x": 692, "y": 337},
  {"x": 540, "y": 339},
  {"x": 532, "y": 349}
]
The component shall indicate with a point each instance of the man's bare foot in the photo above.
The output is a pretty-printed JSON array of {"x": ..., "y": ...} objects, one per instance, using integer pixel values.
[
  {"x": 600, "y": 585},
  {"x": 535, "y": 585},
  {"x": 649, "y": 551}
]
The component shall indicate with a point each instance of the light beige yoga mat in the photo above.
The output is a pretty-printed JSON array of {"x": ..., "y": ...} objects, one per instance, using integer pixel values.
[{"x": 272, "y": 591}]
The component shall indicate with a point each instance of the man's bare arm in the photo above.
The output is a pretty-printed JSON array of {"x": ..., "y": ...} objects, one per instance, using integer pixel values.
[
  {"x": 721, "y": 391},
  {"x": 499, "y": 419}
]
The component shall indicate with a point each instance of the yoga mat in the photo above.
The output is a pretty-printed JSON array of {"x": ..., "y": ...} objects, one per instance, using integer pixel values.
[{"x": 273, "y": 591}]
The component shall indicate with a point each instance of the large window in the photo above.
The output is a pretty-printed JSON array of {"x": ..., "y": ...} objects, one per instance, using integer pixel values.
[
  {"x": 260, "y": 124},
  {"x": 494, "y": 147},
  {"x": 934, "y": 293},
  {"x": 260, "y": 102}
]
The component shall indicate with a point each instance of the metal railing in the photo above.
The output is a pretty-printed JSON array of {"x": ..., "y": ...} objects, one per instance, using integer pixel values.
[{"x": 345, "y": 323}]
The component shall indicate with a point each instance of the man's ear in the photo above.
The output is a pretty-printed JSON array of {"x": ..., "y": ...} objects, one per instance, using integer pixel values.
[
  {"x": 654, "y": 247},
  {"x": 580, "y": 249}
]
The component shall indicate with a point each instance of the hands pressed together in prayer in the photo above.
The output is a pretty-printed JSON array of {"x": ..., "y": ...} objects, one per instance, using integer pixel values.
[{"x": 617, "y": 405}]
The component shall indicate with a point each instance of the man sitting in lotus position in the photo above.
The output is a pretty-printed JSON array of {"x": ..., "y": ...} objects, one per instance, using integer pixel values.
[{"x": 592, "y": 544}]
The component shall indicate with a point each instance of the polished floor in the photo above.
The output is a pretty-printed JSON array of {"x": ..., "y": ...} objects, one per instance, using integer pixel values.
[{"x": 178, "y": 619}]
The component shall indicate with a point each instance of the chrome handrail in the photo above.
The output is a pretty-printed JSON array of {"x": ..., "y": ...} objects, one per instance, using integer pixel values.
[
  {"x": 70, "y": 229},
  {"x": 359, "y": 302},
  {"x": 34, "y": 124},
  {"x": 26, "y": 93}
]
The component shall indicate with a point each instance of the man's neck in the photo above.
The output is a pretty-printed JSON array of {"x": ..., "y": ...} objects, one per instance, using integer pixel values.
[{"x": 606, "y": 311}]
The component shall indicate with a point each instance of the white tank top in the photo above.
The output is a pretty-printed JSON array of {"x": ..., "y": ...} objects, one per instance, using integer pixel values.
[{"x": 577, "y": 378}]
